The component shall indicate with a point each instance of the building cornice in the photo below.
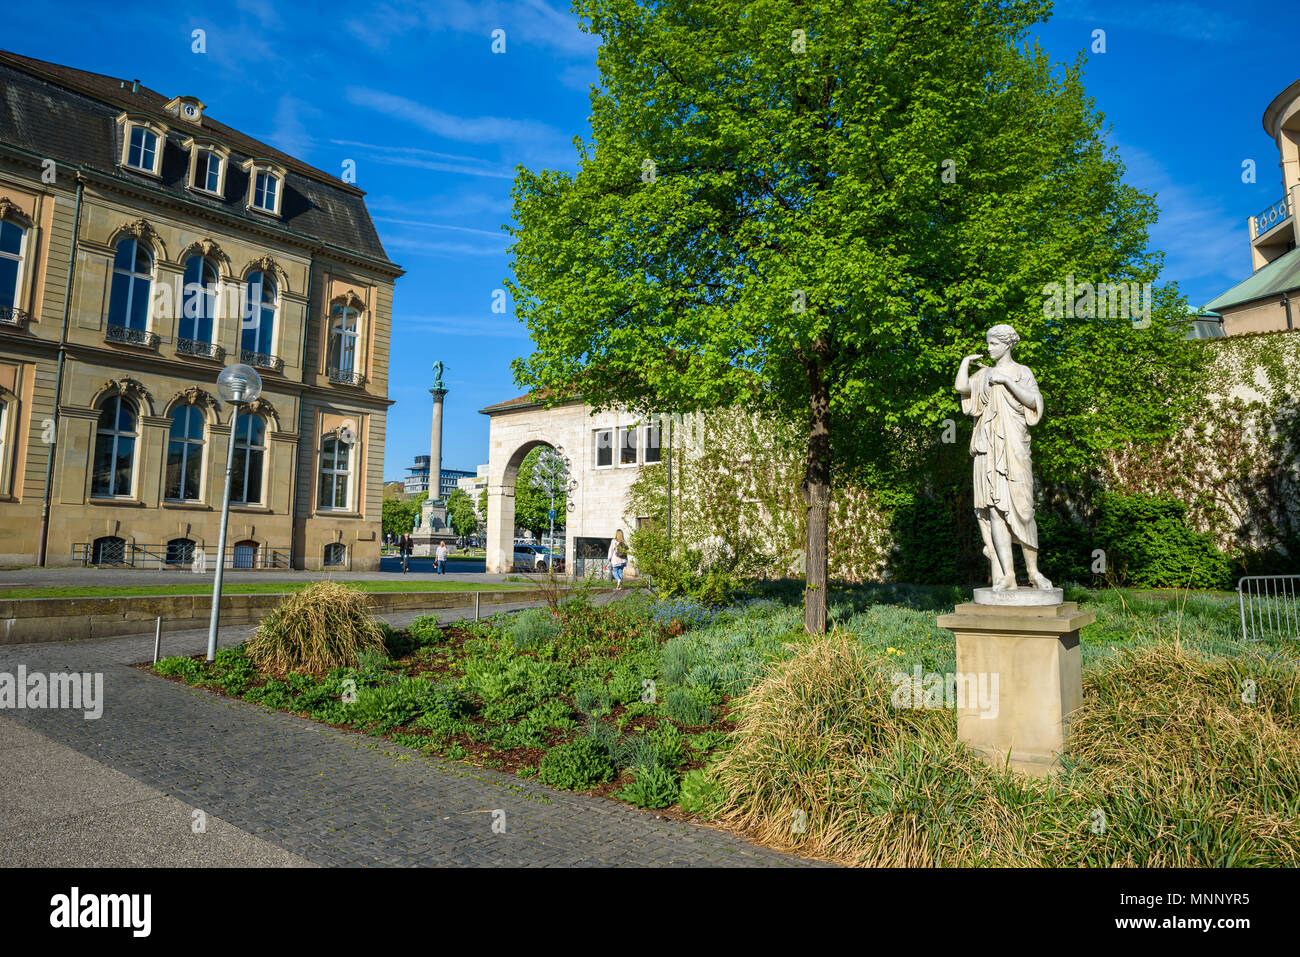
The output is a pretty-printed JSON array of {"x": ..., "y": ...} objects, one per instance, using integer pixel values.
[{"x": 1275, "y": 109}]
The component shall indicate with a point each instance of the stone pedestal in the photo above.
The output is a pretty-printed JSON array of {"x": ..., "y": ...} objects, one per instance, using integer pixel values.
[
  {"x": 433, "y": 529},
  {"x": 1033, "y": 652}
]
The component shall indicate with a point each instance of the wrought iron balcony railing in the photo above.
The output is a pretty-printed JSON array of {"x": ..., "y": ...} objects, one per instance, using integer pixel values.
[
  {"x": 1271, "y": 216},
  {"x": 261, "y": 360},
  {"x": 9, "y": 316},
  {"x": 196, "y": 347},
  {"x": 346, "y": 377},
  {"x": 132, "y": 337}
]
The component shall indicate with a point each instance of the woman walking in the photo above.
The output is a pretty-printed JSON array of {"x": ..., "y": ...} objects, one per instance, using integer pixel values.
[
  {"x": 617, "y": 557},
  {"x": 440, "y": 558}
]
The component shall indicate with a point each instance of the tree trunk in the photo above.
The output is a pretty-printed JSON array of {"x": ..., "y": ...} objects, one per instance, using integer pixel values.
[{"x": 817, "y": 496}]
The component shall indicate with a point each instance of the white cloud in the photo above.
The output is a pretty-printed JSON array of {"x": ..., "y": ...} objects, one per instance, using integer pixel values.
[
  {"x": 478, "y": 129},
  {"x": 1205, "y": 244},
  {"x": 427, "y": 224}
]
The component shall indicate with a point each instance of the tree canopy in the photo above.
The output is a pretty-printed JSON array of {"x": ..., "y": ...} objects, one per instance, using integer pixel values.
[{"x": 816, "y": 209}]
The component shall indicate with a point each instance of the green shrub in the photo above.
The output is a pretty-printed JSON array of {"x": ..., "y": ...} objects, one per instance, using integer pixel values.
[
  {"x": 323, "y": 627},
  {"x": 533, "y": 627},
  {"x": 425, "y": 630},
  {"x": 576, "y": 765},
  {"x": 372, "y": 666},
  {"x": 654, "y": 786},
  {"x": 638, "y": 752},
  {"x": 686, "y": 706},
  {"x": 392, "y": 705},
  {"x": 187, "y": 669},
  {"x": 603, "y": 734},
  {"x": 699, "y": 793},
  {"x": 1149, "y": 544}
]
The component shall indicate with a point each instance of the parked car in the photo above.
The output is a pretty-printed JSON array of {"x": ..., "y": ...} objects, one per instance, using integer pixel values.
[{"x": 533, "y": 556}]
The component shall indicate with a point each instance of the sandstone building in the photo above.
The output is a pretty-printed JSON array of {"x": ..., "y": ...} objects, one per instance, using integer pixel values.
[{"x": 143, "y": 247}]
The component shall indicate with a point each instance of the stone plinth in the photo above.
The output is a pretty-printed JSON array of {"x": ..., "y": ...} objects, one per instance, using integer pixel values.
[{"x": 1033, "y": 652}]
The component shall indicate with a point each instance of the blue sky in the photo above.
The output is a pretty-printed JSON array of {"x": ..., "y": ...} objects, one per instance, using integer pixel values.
[{"x": 436, "y": 122}]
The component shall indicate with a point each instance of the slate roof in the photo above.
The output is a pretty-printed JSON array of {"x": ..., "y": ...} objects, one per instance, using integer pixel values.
[
  {"x": 70, "y": 116},
  {"x": 1279, "y": 276}
]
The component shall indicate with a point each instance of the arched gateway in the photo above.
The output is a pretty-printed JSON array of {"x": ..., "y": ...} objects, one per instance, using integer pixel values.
[{"x": 606, "y": 453}]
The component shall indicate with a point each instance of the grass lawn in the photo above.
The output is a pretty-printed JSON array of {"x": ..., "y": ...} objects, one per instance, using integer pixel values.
[
  {"x": 242, "y": 588},
  {"x": 1186, "y": 752}
]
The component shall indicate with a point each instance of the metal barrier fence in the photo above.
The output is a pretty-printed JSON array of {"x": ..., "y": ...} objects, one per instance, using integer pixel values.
[
  {"x": 180, "y": 555},
  {"x": 1269, "y": 606}
]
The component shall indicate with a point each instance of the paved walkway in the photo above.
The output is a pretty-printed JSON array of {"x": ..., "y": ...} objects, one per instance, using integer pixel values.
[{"x": 278, "y": 789}]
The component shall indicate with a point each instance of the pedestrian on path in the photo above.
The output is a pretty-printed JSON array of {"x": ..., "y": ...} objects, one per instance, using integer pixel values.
[
  {"x": 403, "y": 547},
  {"x": 617, "y": 557},
  {"x": 440, "y": 557}
]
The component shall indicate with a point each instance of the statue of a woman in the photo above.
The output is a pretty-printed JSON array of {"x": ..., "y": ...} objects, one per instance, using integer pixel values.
[{"x": 1005, "y": 401}]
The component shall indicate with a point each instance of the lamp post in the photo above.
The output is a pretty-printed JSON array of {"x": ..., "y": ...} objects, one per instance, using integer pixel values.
[
  {"x": 239, "y": 385},
  {"x": 552, "y": 469}
]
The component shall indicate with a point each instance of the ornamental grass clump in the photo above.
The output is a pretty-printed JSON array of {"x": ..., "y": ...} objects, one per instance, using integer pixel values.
[
  {"x": 323, "y": 627},
  {"x": 1178, "y": 758}
]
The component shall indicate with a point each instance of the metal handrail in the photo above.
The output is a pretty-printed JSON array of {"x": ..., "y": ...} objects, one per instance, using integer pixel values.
[
  {"x": 160, "y": 556},
  {"x": 261, "y": 360},
  {"x": 131, "y": 337}
]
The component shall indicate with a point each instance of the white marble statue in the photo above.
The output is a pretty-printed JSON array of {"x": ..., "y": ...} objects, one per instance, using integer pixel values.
[{"x": 1005, "y": 401}]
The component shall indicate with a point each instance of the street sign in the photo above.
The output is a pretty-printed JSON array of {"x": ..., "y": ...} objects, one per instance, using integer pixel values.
[{"x": 551, "y": 515}]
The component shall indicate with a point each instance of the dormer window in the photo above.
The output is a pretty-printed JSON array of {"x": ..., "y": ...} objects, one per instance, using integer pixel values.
[
  {"x": 266, "y": 192},
  {"x": 143, "y": 151},
  {"x": 208, "y": 163},
  {"x": 142, "y": 144},
  {"x": 265, "y": 186}
]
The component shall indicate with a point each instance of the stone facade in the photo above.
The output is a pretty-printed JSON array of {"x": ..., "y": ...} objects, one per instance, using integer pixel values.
[
  {"x": 70, "y": 184},
  {"x": 598, "y": 504}
]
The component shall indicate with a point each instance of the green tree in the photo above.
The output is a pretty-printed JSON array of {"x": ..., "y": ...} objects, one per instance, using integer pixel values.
[
  {"x": 461, "y": 514},
  {"x": 532, "y": 503},
  {"x": 398, "y": 515},
  {"x": 815, "y": 209}
]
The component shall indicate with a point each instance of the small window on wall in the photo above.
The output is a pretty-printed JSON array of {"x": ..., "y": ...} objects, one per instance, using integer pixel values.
[
  {"x": 604, "y": 448},
  {"x": 627, "y": 445},
  {"x": 336, "y": 554},
  {"x": 180, "y": 551},
  {"x": 109, "y": 550},
  {"x": 653, "y": 450},
  {"x": 335, "y": 470}
]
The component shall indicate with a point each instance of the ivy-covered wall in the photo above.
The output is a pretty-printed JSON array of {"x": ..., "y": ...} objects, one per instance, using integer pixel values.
[{"x": 1219, "y": 499}]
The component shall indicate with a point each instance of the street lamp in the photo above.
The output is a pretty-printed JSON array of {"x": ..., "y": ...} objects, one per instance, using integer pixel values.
[{"x": 239, "y": 385}]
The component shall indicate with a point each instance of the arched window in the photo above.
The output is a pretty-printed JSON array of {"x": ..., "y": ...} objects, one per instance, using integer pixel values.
[
  {"x": 199, "y": 301},
  {"x": 132, "y": 276},
  {"x": 114, "y": 447},
  {"x": 342, "y": 355},
  {"x": 258, "y": 334},
  {"x": 180, "y": 551},
  {"x": 108, "y": 550},
  {"x": 250, "y": 459},
  {"x": 336, "y": 553},
  {"x": 12, "y": 241},
  {"x": 185, "y": 455}
]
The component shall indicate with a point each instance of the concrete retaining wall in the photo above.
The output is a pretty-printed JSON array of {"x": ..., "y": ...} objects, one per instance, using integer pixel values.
[{"x": 24, "y": 620}]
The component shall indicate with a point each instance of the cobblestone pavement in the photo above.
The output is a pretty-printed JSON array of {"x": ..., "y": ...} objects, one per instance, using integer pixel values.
[{"x": 329, "y": 797}]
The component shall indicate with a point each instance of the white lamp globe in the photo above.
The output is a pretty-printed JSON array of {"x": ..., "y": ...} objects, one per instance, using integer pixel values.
[{"x": 239, "y": 384}]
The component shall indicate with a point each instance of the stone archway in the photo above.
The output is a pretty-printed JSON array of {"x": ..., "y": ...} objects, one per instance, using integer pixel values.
[{"x": 502, "y": 477}]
